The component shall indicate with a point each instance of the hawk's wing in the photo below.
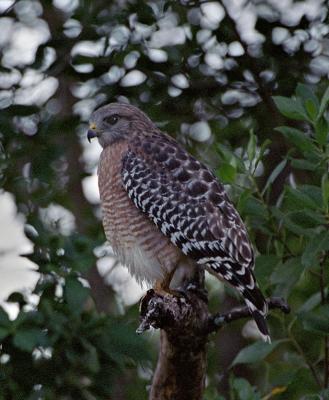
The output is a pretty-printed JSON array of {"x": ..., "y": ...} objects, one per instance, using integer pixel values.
[
  {"x": 190, "y": 206},
  {"x": 186, "y": 201}
]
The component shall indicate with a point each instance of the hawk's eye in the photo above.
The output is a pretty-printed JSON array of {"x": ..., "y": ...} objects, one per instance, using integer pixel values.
[{"x": 112, "y": 119}]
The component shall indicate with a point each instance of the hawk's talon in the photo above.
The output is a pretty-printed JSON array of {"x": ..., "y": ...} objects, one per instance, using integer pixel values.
[{"x": 170, "y": 292}]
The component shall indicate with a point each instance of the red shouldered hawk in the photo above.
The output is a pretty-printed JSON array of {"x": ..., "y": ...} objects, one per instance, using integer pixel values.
[{"x": 162, "y": 208}]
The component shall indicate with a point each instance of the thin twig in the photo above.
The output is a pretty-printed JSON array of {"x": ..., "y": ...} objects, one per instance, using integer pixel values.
[{"x": 216, "y": 321}]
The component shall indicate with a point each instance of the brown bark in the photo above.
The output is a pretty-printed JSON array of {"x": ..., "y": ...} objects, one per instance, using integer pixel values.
[
  {"x": 181, "y": 368},
  {"x": 180, "y": 371},
  {"x": 185, "y": 324}
]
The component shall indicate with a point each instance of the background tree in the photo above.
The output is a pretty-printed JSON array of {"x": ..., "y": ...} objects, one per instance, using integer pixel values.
[{"x": 207, "y": 73}]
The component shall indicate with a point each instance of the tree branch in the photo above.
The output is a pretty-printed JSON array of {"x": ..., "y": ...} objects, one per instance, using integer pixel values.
[
  {"x": 217, "y": 321},
  {"x": 185, "y": 324}
]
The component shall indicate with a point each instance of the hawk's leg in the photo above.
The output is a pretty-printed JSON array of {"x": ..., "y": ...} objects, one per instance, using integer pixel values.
[{"x": 162, "y": 287}]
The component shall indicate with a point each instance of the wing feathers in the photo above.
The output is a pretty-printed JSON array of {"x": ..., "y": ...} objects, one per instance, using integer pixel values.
[{"x": 173, "y": 188}]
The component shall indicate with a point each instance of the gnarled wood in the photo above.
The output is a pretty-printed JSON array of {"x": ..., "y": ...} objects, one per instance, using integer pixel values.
[
  {"x": 185, "y": 324},
  {"x": 181, "y": 367}
]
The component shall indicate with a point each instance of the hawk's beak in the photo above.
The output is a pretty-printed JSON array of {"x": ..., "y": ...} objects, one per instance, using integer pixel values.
[{"x": 91, "y": 132}]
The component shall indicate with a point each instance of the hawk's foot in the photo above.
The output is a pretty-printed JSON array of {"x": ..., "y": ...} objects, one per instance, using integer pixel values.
[{"x": 162, "y": 288}]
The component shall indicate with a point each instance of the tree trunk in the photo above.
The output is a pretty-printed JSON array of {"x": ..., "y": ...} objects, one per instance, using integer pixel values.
[{"x": 181, "y": 369}]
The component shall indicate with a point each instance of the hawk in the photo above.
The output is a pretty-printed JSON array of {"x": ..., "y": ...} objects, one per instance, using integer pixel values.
[{"x": 162, "y": 208}]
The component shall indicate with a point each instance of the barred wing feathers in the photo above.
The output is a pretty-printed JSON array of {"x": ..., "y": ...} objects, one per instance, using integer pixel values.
[{"x": 190, "y": 206}]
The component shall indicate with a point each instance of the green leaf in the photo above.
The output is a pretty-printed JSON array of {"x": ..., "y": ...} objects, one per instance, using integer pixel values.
[
  {"x": 309, "y": 100},
  {"x": 263, "y": 148},
  {"x": 318, "y": 244},
  {"x": 289, "y": 224},
  {"x": 261, "y": 152},
  {"x": 301, "y": 384},
  {"x": 305, "y": 92},
  {"x": 275, "y": 173},
  {"x": 244, "y": 390},
  {"x": 286, "y": 275},
  {"x": 321, "y": 131},
  {"x": 255, "y": 352},
  {"x": 312, "y": 302},
  {"x": 255, "y": 207},
  {"x": 251, "y": 147},
  {"x": 28, "y": 339},
  {"x": 283, "y": 369},
  {"x": 300, "y": 198},
  {"x": 311, "y": 109},
  {"x": 244, "y": 196},
  {"x": 303, "y": 164},
  {"x": 307, "y": 218},
  {"x": 313, "y": 192},
  {"x": 325, "y": 191},
  {"x": 226, "y": 173},
  {"x": 317, "y": 322},
  {"x": 225, "y": 153},
  {"x": 297, "y": 137},
  {"x": 324, "y": 102},
  {"x": 290, "y": 108},
  {"x": 75, "y": 294},
  {"x": 264, "y": 266}
]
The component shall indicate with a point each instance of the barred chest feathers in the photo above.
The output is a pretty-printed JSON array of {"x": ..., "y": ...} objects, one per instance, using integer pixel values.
[{"x": 135, "y": 240}]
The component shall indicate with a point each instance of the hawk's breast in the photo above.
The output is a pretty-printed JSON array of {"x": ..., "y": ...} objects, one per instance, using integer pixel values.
[{"x": 135, "y": 240}]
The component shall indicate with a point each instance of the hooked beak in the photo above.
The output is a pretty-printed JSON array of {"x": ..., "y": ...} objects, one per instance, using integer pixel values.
[{"x": 91, "y": 134}]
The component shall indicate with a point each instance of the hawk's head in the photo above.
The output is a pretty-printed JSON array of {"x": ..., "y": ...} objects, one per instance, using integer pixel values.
[{"x": 117, "y": 121}]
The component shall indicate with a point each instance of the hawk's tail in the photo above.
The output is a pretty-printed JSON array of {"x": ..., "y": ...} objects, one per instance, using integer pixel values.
[
  {"x": 258, "y": 308},
  {"x": 246, "y": 285}
]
